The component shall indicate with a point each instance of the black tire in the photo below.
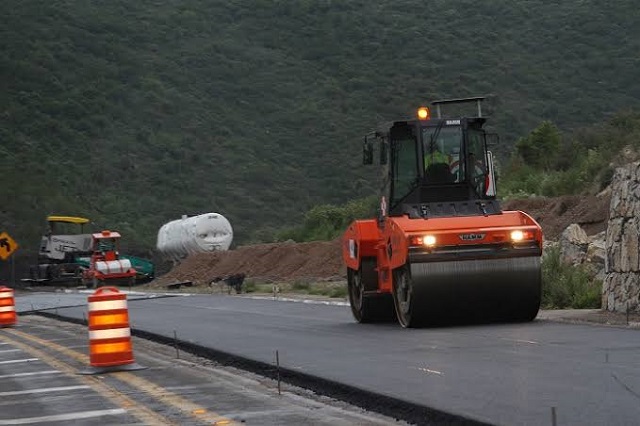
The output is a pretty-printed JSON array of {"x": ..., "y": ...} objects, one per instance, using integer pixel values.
[
  {"x": 367, "y": 308},
  {"x": 404, "y": 298},
  {"x": 53, "y": 272},
  {"x": 529, "y": 307},
  {"x": 34, "y": 272},
  {"x": 95, "y": 283}
]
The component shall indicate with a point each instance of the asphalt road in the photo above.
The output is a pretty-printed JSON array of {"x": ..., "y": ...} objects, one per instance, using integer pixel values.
[
  {"x": 513, "y": 374},
  {"x": 40, "y": 359}
]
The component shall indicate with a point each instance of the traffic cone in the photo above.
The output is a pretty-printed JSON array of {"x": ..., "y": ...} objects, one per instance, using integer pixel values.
[
  {"x": 110, "y": 347},
  {"x": 8, "y": 315}
]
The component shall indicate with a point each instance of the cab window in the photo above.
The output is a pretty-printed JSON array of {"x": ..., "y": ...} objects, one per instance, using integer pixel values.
[
  {"x": 476, "y": 164},
  {"x": 405, "y": 166},
  {"x": 442, "y": 154}
]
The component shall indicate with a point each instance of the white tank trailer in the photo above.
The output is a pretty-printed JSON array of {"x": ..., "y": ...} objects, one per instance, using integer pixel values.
[{"x": 207, "y": 232}]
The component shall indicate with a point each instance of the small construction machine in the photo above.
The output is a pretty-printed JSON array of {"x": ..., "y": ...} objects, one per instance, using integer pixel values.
[
  {"x": 60, "y": 247},
  {"x": 66, "y": 251},
  {"x": 105, "y": 265},
  {"x": 441, "y": 249}
]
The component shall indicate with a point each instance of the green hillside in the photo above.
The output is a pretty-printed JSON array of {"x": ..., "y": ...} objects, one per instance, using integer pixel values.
[{"x": 134, "y": 113}]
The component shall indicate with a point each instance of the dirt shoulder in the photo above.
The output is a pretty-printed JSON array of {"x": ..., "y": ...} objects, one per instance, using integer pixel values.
[{"x": 591, "y": 316}]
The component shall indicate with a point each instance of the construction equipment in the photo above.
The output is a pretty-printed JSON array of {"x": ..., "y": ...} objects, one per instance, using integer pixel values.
[
  {"x": 203, "y": 233},
  {"x": 145, "y": 269},
  {"x": 441, "y": 249},
  {"x": 105, "y": 265},
  {"x": 65, "y": 252},
  {"x": 62, "y": 244}
]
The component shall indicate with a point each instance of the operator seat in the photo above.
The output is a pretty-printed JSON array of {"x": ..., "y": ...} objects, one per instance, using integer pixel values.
[{"x": 438, "y": 173}]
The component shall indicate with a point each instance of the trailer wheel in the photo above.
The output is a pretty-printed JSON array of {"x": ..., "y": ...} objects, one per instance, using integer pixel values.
[
  {"x": 403, "y": 297},
  {"x": 96, "y": 283},
  {"x": 34, "y": 272}
]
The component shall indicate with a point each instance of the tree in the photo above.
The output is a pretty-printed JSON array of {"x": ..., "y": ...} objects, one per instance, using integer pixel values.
[{"x": 540, "y": 148}]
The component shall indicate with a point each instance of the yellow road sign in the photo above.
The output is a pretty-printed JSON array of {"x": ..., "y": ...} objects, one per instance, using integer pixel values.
[{"x": 7, "y": 246}]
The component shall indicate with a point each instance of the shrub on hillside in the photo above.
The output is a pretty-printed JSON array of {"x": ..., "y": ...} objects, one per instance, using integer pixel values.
[
  {"x": 326, "y": 222},
  {"x": 540, "y": 146},
  {"x": 568, "y": 286},
  {"x": 545, "y": 163}
]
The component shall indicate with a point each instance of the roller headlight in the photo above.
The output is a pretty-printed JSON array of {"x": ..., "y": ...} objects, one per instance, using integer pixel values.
[
  {"x": 517, "y": 236},
  {"x": 423, "y": 240},
  {"x": 429, "y": 240}
]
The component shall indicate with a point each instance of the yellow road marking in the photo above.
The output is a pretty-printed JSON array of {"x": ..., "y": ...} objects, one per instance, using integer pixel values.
[
  {"x": 150, "y": 388},
  {"x": 172, "y": 399},
  {"x": 142, "y": 413}
]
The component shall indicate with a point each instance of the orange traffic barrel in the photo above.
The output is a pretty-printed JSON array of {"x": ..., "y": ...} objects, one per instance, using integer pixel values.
[
  {"x": 110, "y": 347},
  {"x": 7, "y": 307}
]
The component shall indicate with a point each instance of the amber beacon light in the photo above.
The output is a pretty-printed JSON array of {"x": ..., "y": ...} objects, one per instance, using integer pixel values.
[
  {"x": 424, "y": 113},
  {"x": 110, "y": 347},
  {"x": 8, "y": 316}
]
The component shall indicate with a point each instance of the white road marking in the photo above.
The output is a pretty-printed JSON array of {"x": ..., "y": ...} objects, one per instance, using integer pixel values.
[
  {"x": 35, "y": 373},
  {"x": 529, "y": 342},
  {"x": 9, "y": 350},
  {"x": 426, "y": 370},
  {"x": 309, "y": 301},
  {"x": 64, "y": 417},
  {"x": 45, "y": 390},
  {"x": 15, "y": 361}
]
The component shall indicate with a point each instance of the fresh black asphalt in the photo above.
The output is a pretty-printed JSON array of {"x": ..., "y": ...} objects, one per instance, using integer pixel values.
[{"x": 511, "y": 374}]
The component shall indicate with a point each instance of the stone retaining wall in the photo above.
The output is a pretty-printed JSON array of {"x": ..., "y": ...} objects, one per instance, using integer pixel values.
[{"x": 621, "y": 288}]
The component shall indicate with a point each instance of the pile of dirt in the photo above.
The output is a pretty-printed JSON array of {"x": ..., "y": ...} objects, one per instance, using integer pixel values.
[
  {"x": 288, "y": 262},
  {"x": 277, "y": 262}
]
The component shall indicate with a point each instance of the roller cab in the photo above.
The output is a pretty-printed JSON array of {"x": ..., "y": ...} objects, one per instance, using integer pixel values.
[{"x": 441, "y": 249}]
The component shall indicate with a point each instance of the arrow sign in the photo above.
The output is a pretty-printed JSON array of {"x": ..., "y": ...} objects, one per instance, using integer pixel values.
[
  {"x": 4, "y": 242},
  {"x": 7, "y": 246}
]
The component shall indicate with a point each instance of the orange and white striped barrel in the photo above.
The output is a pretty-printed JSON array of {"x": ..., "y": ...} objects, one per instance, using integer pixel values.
[
  {"x": 109, "y": 333},
  {"x": 7, "y": 307}
]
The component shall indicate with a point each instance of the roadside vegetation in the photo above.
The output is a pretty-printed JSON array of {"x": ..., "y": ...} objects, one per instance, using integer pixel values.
[
  {"x": 327, "y": 221},
  {"x": 549, "y": 163},
  {"x": 567, "y": 286}
]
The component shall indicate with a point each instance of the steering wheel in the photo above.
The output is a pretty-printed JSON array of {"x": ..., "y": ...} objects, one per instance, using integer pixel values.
[{"x": 479, "y": 169}]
